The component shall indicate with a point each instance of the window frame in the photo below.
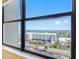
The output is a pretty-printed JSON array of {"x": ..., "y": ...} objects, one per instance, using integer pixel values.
[{"x": 24, "y": 19}]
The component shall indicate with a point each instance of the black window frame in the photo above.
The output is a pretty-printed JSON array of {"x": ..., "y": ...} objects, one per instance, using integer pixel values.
[{"x": 24, "y": 19}]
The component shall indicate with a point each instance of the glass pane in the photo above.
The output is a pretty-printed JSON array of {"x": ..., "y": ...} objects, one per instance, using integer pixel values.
[
  {"x": 11, "y": 34},
  {"x": 50, "y": 36},
  {"x": 45, "y": 7},
  {"x": 12, "y": 10}
]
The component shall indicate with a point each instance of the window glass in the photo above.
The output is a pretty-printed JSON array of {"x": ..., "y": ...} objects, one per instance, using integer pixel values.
[
  {"x": 45, "y": 7},
  {"x": 12, "y": 34},
  {"x": 12, "y": 10},
  {"x": 50, "y": 36}
]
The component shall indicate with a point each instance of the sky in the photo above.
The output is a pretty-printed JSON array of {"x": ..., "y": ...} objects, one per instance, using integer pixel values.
[
  {"x": 60, "y": 23},
  {"x": 46, "y": 7}
]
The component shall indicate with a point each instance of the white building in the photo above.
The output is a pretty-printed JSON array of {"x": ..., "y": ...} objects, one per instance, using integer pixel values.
[{"x": 41, "y": 36}]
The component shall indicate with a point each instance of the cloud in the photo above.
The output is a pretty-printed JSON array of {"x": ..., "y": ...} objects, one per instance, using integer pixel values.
[
  {"x": 65, "y": 21},
  {"x": 41, "y": 23},
  {"x": 57, "y": 22}
]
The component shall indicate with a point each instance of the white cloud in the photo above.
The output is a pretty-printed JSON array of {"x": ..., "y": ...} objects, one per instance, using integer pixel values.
[
  {"x": 65, "y": 21},
  {"x": 57, "y": 22},
  {"x": 41, "y": 23}
]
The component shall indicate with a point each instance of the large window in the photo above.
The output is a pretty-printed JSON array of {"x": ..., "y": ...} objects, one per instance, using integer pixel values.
[
  {"x": 41, "y": 27},
  {"x": 48, "y": 35}
]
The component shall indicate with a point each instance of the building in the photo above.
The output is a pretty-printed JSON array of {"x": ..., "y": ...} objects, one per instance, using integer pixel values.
[{"x": 50, "y": 37}]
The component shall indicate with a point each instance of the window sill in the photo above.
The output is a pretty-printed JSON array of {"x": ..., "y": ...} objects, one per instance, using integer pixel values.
[{"x": 25, "y": 55}]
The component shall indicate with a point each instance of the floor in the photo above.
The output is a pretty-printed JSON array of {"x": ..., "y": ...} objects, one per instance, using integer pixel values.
[
  {"x": 19, "y": 53},
  {"x": 9, "y": 55}
]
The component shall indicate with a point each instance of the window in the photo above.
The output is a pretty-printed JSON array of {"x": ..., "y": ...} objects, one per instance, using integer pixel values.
[
  {"x": 11, "y": 32},
  {"x": 11, "y": 25},
  {"x": 43, "y": 27},
  {"x": 12, "y": 10},
  {"x": 50, "y": 36}
]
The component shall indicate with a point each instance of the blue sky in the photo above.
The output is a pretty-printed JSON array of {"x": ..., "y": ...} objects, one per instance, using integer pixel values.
[
  {"x": 60, "y": 23},
  {"x": 47, "y": 7}
]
